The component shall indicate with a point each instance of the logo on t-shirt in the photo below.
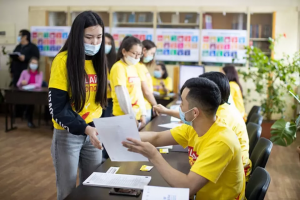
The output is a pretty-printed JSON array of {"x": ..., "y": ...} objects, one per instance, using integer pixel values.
[
  {"x": 133, "y": 79},
  {"x": 192, "y": 155},
  {"x": 91, "y": 83}
]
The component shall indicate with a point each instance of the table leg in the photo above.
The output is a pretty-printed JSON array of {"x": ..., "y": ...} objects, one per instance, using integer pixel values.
[
  {"x": 39, "y": 120},
  {"x": 11, "y": 118},
  {"x": 6, "y": 117}
]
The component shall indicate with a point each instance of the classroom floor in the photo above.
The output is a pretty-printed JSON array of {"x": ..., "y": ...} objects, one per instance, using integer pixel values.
[{"x": 27, "y": 173}]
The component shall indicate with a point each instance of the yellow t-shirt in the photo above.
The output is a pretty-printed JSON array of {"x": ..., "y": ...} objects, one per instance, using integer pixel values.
[
  {"x": 236, "y": 123},
  {"x": 215, "y": 156},
  {"x": 157, "y": 86},
  {"x": 59, "y": 80},
  {"x": 123, "y": 75},
  {"x": 108, "y": 85},
  {"x": 237, "y": 96},
  {"x": 145, "y": 76}
]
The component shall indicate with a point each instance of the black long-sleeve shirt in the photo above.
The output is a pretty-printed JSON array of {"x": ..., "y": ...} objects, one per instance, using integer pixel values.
[
  {"x": 17, "y": 66},
  {"x": 62, "y": 112}
]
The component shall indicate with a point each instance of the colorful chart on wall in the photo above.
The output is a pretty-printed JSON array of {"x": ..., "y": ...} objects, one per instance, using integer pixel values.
[
  {"x": 119, "y": 33},
  {"x": 177, "y": 45},
  {"x": 50, "y": 39},
  {"x": 221, "y": 46}
]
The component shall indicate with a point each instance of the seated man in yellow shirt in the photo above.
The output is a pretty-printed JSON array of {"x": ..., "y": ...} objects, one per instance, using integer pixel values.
[
  {"x": 214, "y": 151},
  {"x": 229, "y": 114}
]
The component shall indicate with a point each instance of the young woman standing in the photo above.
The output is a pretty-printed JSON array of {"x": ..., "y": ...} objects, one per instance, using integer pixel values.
[
  {"x": 125, "y": 81},
  {"x": 149, "y": 49},
  {"x": 111, "y": 57},
  {"x": 162, "y": 83},
  {"x": 77, "y": 93}
]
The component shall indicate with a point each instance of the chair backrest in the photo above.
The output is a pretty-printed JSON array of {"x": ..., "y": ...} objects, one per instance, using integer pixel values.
[
  {"x": 254, "y": 132},
  {"x": 254, "y": 109},
  {"x": 258, "y": 184},
  {"x": 261, "y": 153},
  {"x": 256, "y": 118}
]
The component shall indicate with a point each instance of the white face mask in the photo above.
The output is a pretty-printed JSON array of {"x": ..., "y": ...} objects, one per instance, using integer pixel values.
[
  {"x": 90, "y": 49},
  {"x": 33, "y": 67},
  {"x": 131, "y": 61},
  {"x": 107, "y": 48}
]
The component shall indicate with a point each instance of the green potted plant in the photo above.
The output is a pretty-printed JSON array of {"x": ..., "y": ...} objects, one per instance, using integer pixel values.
[
  {"x": 272, "y": 77},
  {"x": 284, "y": 132}
]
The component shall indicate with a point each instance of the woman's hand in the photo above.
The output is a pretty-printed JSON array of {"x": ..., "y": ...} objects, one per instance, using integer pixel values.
[
  {"x": 24, "y": 82},
  {"x": 92, "y": 132},
  {"x": 143, "y": 122}
]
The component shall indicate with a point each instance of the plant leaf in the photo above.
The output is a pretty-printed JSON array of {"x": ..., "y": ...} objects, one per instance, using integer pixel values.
[{"x": 283, "y": 133}]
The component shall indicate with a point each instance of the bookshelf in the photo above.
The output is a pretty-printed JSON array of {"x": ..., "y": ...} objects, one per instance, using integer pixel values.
[
  {"x": 229, "y": 21},
  {"x": 57, "y": 18},
  {"x": 177, "y": 20},
  {"x": 103, "y": 15},
  {"x": 133, "y": 19},
  {"x": 260, "y": 31}
]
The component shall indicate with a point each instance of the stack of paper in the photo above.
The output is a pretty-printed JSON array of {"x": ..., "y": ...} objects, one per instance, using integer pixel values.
[
  {"x": 165, "y": 193},
  {"x": 117, "y": 180},
  {"x": 170, "y": 125}
]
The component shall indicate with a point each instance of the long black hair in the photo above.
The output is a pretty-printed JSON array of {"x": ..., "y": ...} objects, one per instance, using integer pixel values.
[
  {"x": 232, "y": 75},
  {"x": 112, "y": 55},
  {"x": 76, "y": 61},
  {"x": 148, "y": 44},
  {"x": 127, "y": 44},
  {"x": 163, "y": 67}
]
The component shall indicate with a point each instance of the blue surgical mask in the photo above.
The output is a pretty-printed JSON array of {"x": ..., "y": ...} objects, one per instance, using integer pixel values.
[
  {"x": 19, "y": 39},
  {"x": 157, "y": 74},
  {"x": 107, "y": 48},
  {"x": 33, "y": 67},
  {"x": 90, "y": 49},
  {"x": 147, "y": 59},
  {"x": 182, "y": 117}
]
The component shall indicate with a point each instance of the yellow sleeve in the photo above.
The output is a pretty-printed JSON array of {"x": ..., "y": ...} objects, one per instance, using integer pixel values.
[
  {"x": 180, "y": 134},
  {"x": 244, "y": 142},
  {"x": 59, "y": 75},
  {"x": 169, "y": 84},
  {"x": 118, "y": 75},
  {"x": 141, "y": 72},
  {"x": 213, "y": 161}
]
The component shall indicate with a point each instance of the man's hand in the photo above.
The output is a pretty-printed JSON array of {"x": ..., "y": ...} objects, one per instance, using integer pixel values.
[
  {"x": 143, "y": 122},
  {"x": 92, "y": 132},
  {"x": 144, "y": 148},
  {"x": 24, "y": 82},
  {"x": 22, "y": 57},
  {"x": 160, "y": 109}
]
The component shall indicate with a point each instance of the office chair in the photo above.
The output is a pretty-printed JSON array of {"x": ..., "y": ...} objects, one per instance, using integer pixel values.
[
  {"x": 256, "y": 118},
  {"x": 254, "y": 109},
  {"x": 261, "y": 153},
  {"x": 258, "y": 184},
  {"x": 254, "y": 132}
]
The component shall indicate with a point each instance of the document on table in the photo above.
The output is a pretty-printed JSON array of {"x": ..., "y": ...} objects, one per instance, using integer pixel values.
[
  {"x": 113, "y": 131},
  {"x": 174, "y": 119},
  {"x": 170, "y": 125},
  {"x": 165, "y": 147},
  {"x": 154, "y": 193},
  {"x": 117, "y": 180}
]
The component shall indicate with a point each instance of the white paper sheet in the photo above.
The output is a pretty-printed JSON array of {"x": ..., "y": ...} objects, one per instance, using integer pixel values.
[
  {"x": 113, "y": 131},
  {"x": 170, "y": 125},
  {"x": 117, "y": 180},
  {"x": 174, "y": 119},
  {"x": 154, "y": 193},
  {"x": 165, "y": 147}
]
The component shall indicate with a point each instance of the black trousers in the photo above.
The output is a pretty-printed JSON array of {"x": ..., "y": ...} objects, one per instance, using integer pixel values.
[{"x": 29, "y": 109}]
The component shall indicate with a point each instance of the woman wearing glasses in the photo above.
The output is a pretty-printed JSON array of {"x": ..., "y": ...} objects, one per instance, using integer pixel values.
[{"x": 126, "y": 87}]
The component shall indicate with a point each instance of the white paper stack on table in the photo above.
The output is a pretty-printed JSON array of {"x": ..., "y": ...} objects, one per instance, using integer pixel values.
[
  {"x": 113, "y": 131},
  {"x": 170, "y": 125},
  {"x": 165, "y": 193},
  {"x": 117, "y": 180}
]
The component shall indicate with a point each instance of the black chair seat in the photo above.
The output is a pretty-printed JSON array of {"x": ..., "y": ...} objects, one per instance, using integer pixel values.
[
  {"x": 258, "y": 184},
  {"x": 254, "y": 132},
  {"x": 256, "y": 118},
  {"x": 254, "y": 110},
  {"x": 261, "y": 153}
]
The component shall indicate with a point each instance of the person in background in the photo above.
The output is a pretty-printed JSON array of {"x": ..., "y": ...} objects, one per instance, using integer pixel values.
[
  {"x": 77, "y": 94},
  {"x": 125, "y": 82},
  {"x": 214, "y": 150},
  {"x": 31, "y": 76},
  {"x": 27, "y": 50},
  {"x": 236, "y": 89},
  {"x": 111, "y": 57},
  {"x": 162, "y": 83},
  {"x": 149, "y": 49},
  {"x": 229, "y": 114}
]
